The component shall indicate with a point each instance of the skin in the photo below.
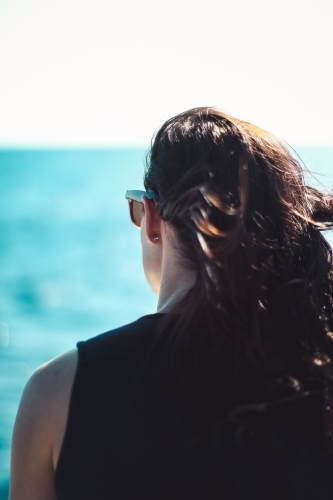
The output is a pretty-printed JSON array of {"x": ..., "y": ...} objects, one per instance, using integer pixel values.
[{"x": 41, "y": 419}]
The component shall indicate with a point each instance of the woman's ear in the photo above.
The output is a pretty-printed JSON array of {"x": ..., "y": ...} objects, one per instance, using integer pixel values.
[{"x": 153, "y": 221}]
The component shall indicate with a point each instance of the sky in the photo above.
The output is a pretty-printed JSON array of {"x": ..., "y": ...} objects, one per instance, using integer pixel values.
[{"x": 108, "y": 73}]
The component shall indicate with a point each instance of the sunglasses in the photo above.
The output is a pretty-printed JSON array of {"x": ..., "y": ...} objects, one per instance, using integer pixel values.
[{"x": 136, "y": 205}]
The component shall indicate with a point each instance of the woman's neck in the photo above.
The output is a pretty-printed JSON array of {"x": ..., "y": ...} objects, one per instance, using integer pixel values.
[{"x": 176, "y": 281}]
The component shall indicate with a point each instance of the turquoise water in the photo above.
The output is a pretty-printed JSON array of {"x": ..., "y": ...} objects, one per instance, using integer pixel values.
[{"x": 70, "y": 261}]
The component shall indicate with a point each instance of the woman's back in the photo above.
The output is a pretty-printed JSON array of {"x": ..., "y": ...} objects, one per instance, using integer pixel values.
[{"x": 127, "y": 437}]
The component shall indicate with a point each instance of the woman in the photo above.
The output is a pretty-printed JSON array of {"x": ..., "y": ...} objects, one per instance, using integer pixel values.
[{"x": 226, "y": 392}]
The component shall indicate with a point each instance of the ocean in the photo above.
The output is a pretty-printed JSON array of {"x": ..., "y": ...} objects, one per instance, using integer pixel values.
[{"x": 70, "y": 260}]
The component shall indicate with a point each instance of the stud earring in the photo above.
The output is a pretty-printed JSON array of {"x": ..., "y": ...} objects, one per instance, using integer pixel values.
[{"x": 156, "y": 238}]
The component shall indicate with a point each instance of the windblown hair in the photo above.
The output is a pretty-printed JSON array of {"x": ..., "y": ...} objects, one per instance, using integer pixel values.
[{"x": 251, "y": 228}]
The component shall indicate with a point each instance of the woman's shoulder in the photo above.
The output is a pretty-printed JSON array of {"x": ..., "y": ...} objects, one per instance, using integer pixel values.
[
  {"x": 51, "y": 382},
  {"x": 49, "y": 388},
  {"x": 55, "y": 371},
  {"x": 47, "y": 394},
  {"x": 39, "y": 427}
]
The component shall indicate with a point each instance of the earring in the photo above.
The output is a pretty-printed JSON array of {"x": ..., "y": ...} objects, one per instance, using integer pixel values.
[{"x": 156, "y": 238}]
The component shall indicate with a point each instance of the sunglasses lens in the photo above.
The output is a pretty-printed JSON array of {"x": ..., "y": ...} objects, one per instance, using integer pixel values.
[{"x": 136, "y": 210}]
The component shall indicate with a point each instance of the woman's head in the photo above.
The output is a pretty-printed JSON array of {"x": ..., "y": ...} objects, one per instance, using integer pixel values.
[
  {"x": 243, "y": 217},
  {"x": 203, "y": 160}
]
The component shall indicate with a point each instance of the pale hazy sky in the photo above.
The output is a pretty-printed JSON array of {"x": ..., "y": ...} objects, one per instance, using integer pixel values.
[{"x": 78, "y": 72}]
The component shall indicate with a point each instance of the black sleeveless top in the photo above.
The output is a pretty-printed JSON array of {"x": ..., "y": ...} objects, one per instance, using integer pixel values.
[{"x": 119, "y": 444}]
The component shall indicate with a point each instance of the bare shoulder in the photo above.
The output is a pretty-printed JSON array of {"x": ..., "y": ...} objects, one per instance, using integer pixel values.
[
  {"x": 40, "y": 426},
  {"x": 48, "y": 390},
  {"x": 55, "y": 378}
]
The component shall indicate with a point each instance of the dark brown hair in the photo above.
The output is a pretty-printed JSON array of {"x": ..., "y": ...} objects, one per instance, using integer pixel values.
[{"x": 252, "y": 229}]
